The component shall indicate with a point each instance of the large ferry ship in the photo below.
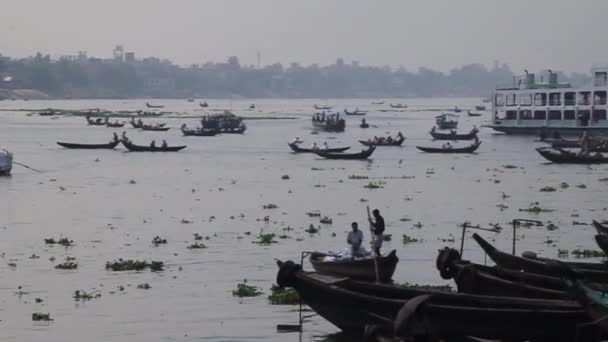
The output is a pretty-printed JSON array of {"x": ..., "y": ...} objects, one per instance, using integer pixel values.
[{"x": 531, "y": 107}]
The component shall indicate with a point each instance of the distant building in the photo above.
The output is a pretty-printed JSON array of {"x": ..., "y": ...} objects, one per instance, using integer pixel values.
[{"x": 130, "y": 57}]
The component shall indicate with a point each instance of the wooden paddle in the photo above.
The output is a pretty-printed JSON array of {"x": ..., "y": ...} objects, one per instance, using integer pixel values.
[{"x": 371, "y": 230}]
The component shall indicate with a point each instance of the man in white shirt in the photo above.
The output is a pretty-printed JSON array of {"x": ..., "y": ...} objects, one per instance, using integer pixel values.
[{"x": 354, "y": 239}]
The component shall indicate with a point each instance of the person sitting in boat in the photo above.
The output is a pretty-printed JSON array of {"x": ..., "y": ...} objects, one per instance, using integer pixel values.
[
  {"x": 297, "y": 141},
  {"x": 99, "y": 120},
  {"x": 475, "y": 129},
  {"x": 164, "y": 145},
  {"x": 556, "y": 135},
  {"x": 355, "y": 239},
  {"x": 447, "y": 145},
  {"x": 314, "y": 146},
  {"x": 124, "y": 137},
  {"x": 453, "y": 132},
  {"x": 325, "y": 146},
  {"x": 114, "y": 137},
  {"x": 433, "y": 129},
  {"x": 389, "y": 140},
  {"x": 153, "y": 144},
  {"x": 400, "y": 135}
]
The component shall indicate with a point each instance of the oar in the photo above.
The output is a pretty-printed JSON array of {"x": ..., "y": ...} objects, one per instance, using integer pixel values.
[
  {"x": 369, "y": 218},
  {"x": 27, "y": 167}
]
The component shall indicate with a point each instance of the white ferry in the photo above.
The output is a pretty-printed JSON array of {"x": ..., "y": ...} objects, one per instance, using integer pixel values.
[{"x": 529, "y": 107}]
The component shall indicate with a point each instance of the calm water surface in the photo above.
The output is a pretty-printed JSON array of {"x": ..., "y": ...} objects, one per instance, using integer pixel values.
[{"x": 220, "y": 184}]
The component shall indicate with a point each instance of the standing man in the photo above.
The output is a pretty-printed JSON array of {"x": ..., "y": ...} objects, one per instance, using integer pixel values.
[
  {"x": 354, "y": 239},
  {"x": 378, "y": 229}
]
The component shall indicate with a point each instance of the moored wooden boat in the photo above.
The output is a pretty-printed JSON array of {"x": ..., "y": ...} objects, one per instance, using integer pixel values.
[
  {"x": 446, "y": 121},
  {"x": 356, "y": 112},
  {"x": 600, "y": 228},
  {"x": 154, "y": 106},
  {"x": 95, "y": 122},
  {"x": 602, "y": 242},
  {"x": 471, "y": 114},
  {"x": 140, "y": 148},
  {"x": 469, "y": 149},
  {"x": 454, "y": 135},
  {"x": 204, "y": 105},
  {"x": 398, "y": 106},
  {"x": 595, "y": 272},
  {"x": 358, "y": 268},
  {"x": 109, "y": 145},
  {"x": 159, "y": 128},
  {"x": 385, "y": 142},
  {"x": 359, "y": 155},
  {"x": 567, "y": 157},
  {"x": 317, "y": 107},
  {"x": 351, "y": 305},
  {"x": 115, "y": 124},
  {"x": 296, "y": 149}
]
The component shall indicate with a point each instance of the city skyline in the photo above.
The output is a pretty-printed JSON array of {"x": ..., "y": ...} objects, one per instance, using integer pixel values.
[{"x": 439, "y": 35}]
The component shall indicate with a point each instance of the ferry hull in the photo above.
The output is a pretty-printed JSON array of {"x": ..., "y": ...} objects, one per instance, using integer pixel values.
[{"x": 518, "y": 130}]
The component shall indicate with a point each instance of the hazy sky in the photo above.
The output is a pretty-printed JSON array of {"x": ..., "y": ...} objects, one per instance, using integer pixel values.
[{"x": 535, "y": 34}]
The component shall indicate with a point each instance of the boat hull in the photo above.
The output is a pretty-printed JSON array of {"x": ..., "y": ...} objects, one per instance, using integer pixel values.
[
  {"x": 109, "y": 146},
  {"x": 567, "y": 131},
  {"x": 361, "y": 155},
  {"x": 362, "y": 269},
  {"x": 139, "y": 148},
  {"x": 564, "y": 157}
]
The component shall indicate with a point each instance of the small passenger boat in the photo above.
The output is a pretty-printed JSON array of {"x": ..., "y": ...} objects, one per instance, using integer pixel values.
[
  {"x": 6, "y": 162},
  {"x": 384, "y": 142},
  {"x": 468, "y": 149},
  {"x": 471, "y": 114},
  {"x": 398, "y": 106},
  {"x": 95, "y": 121},
  {"x": 109, "y": 145},
  {"x": 159, "y": 128},
  {"x": 140, "y": 148},
  {"x": 115, "y": 124},
  {"x": 204, "y": 105},
  {"x": 317, "y": 107},
  {"x": 356, "y": 112},
  {"x": 198, "y": 132},
  {"x": 447, "y": 121},
  {"x": 297, "y": 149},
  {"x": 453, "y": 135},
  {"x": 359, "y": 155},
  {"x": 356, "y": 268},
  {"x": 377, "y": 102},
  {"x": 480, "y": 107},
  {"x": 154, "y": 106},
  {"x": 600, "y": 228}
]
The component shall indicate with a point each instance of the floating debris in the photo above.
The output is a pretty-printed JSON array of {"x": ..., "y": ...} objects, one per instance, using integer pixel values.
[
  {"x": 326, "y": 220},
  {"x": 244, "y": 290},
  {"x": 312, "y": 230},
  {"x": 144, "y": 286},
  {"x": 586, "y": 253},
  {"x": 134, "y": 265},
  {"x": 82, "y": 295},
  {"x": 285, "y": 177},
  {"x": 283, "y": 296},
  {"x": 159, "y": 241},
  {"x": 535, "y": 208},
  {"x": 197, "y": 245},
  {"x": 357, "y": 177},
  {"x": 551, "y": 227},
  {"x": 408, "y": 239},
  {"x": 548, "y": 189},
  {"x": 387, "y": 237},
  {"x": 68, "y": 265},
  {"x": 62, "y": 241},
  {"x": 313, "y": 214},
  {"x": 270, "y": 206},
  {"x": 265, "y": 239},
  {"x": 374, "y": 185},
  {"x": 564, "y": 185},
  {"x": 39, "y": 316}
]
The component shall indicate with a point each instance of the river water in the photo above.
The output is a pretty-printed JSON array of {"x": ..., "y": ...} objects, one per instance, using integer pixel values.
[{"x": 112, "y": 203}]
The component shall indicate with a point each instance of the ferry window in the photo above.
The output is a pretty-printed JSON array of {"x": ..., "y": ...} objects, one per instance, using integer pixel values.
[
  {"x": 599, "y": 115},
  {"x": 584, "y": 98},
  {"x": 500, "y": 100},
  {"x": 555, "y": 115},
  {"x": 570, "y": 99},
  {"x": 525, "y": 99},
  {"x": 599, "y": 98},
  {"x": 525, "y": 115},
  {"x": 540, "y": 99},
  {"x": 540, "y": 115},
  {"x": 601, "y": 79},
  {"x": 555, "y": 99},
  {"x": 511, "y": 100},
  {"x": 569, "y": 115},
  {"x": 511, "y": 115}
]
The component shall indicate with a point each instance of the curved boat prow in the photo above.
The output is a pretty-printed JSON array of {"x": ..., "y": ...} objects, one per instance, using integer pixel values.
[{"x": 485, "y": 245}]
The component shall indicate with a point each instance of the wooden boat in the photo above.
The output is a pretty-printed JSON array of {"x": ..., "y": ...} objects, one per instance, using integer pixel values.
[
  {"x": 468, "y": 149},
  {"x": 364, "y": 125},
  {"x": 322, "y": 107},
  {"x": 135, "y": 124},
  {"x": 6, "y": 162},
  {"x": 234, "y": 130},
  {"x": 158, "y": 128},
  {"x": 567, "y": 157},
  {"x": 252, "y": 107},
  {"x": 454, "y": 135},
  {"x": 332, "y": 155},
  {"x": 139, "y": 148},
  {"x": 330, "y": 123},
  {"x": 378, "y": 102},
  {"x": 204, "y": 104},
  {"x": 96, "y": 122},
  {"x": 198, "y": 132},
  {"x": 351, "y": 305},
  {"x": 395, "y": 142},
  {"x": 296, "y": 149},
  {"x": 563, "y": 143},
  {"x": 471, "y": 114},
  {"x": 595, "y": 272},
  {"x": 594, "y": 302},
  {"x": 600, "y": 228},
  {"x": 48, "y": 112},
  {"x": 362, "y": 269},
  {"x": 398, "y": 106},
  {"x": 109, "y": 146},
  {"x": 480, "y": 107},
  {"x": 154, "y": 106},
  {"x": 356, "y": 112}
]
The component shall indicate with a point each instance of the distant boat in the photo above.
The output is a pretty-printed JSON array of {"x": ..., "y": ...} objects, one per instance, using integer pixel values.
[
  {"x": 398, "y": 106},
  {"x": 204, "y": 104},
  {"x": 356, "y": 112},
  {"x": 317, "y": 107},
  {"x": 469, "y": 113},
  {"x": 190, "y": 100},
  {"x": 378, "y": 103},
  {"x": 481, "y": 107},
  {"x": 6, "y": 162},
  {"x": 252, "y": 107},
  {"x": 154, "y": 106},
  {"x": 447, "y": 121}
]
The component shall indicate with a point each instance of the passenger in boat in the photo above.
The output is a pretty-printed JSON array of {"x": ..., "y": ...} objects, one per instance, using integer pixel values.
[
  {"x": 153, "y": 144},
  {"x": 584, "y": 143},
  {"x": 400, "y": 135},
  {"x": 433, "y": 129},
  {"x": 114, "y": 137},
  {"x": 325, "y": 146},
  {"x": 314, "y": 146},
  {"x": 297, "y": 141},
  {"x": 447, "y": 145},
  {"x": 452, "y": 132},
  {"x": 164, "y": 145},
  {"x": 389, "y": 140},
  {"x": 124, "y": 137},
  {"x": 355, "y": 239},
  {"x": 377, "y": 227},
  {"x": 140, "y": 122}
]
